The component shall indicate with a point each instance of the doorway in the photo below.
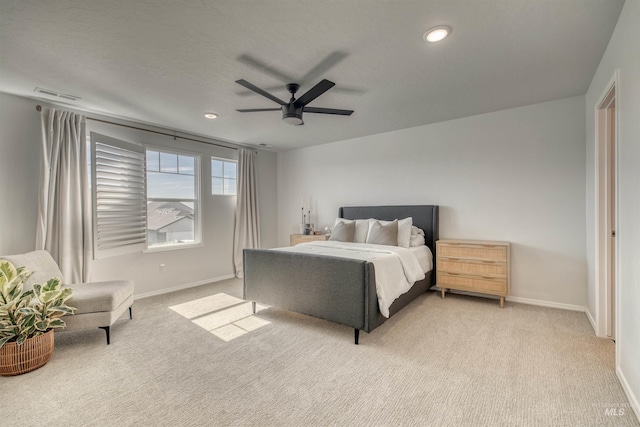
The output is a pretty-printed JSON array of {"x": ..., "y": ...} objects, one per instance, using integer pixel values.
[{"x": 606, "y": 202}]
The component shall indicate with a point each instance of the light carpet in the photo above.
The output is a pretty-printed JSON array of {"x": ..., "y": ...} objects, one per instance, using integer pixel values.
[{"x": 198, "y": 357}]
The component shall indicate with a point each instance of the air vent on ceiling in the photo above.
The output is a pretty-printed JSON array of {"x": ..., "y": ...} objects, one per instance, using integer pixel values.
[{"x": 56, "y": 94}]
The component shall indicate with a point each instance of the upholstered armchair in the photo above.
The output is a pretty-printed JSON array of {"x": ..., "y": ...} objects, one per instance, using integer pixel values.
[{"x": 99, "y": 304}]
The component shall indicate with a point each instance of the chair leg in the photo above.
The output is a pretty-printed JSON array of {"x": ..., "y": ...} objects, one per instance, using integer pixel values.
[
  {"x": 130, "y": 315},
  {"x": 107, "y": 329}
]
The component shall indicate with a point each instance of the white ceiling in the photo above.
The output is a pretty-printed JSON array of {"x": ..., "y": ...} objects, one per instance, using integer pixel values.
[{"x": 166, "y": 62}]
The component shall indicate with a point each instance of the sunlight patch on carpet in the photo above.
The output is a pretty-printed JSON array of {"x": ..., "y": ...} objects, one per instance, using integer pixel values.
[{"x": 224, "y": 316}]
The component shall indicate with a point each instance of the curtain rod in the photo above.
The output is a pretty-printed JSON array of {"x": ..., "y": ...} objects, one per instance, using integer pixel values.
[{"x": 39, "y": 108}]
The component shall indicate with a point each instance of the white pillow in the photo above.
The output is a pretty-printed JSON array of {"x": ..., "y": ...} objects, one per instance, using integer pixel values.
[
  {"x": 416, "y": 240},
  {"x": 383, "y": 234},
  {"x": 404, "y": 230},
  {"x": 415, "y": 230},
  {"x": 362, "y": 228},
  {"x": 343, "y": 231}
]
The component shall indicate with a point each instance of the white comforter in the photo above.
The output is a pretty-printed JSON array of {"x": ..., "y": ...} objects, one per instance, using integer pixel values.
[{"x": 397, "y": 269}]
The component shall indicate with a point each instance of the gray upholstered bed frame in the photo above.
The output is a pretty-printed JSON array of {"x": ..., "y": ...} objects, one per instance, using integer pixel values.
[{"x": 336, "y": 289}]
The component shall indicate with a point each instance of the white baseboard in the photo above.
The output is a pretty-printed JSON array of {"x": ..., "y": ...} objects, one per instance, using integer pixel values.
[
  {"x": 520, "y": 300},
  {"x": 591, "y": 320},
  {"x": 551, "y": 304},
  {"x": 181, "y": 287},
  {"x": 633, "y": 399}
]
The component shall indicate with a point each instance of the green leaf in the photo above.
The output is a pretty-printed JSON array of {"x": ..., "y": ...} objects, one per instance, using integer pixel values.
[
  {"x": 7, "y": 270},
  {"x": 66, "y": 293},
  {"x": 10, "y": 330},
  {"x": 10, "y": 306},
  {"x": 52, "y": 284},
  {"x": 60, "y": 309},
  {"x": 12, "y": 279},
  {"x": 4, "y": 323},
  {"x": 48, "y": 296},
  {"x": 42, "y": 325},
  {"x": 4, "y": 340},
  {"x": 28, "y": 321},
  {"x": 27, "y": 310},
  {"x": 57, "y": 323}
]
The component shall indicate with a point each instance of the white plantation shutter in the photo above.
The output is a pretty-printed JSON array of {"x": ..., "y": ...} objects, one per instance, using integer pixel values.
[{"x": 119, "y": 196}]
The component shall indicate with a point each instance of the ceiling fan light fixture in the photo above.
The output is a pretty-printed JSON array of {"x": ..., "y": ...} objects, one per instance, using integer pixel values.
[
  {"x": 436, "y": 34},
  {"x": 291, "y": 115},
  {"x": 211, "y": 116},
  {"x": 292, "y": 120}
]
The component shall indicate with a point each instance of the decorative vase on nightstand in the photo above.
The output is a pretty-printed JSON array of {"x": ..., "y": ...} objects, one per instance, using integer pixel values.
[{"x": 306, "y": 229}]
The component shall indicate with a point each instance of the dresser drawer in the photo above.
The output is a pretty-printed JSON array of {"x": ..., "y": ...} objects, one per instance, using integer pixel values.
[
  {"x": 477, "y": 251},
  {"x": 484, "y": 284},
  {"x": 473, "y": 267}
]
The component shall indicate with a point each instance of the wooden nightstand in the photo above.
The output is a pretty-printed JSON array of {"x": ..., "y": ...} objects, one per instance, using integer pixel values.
[
  {"x": 474, "y": 266},
  {"x": 296, "y": 239}
]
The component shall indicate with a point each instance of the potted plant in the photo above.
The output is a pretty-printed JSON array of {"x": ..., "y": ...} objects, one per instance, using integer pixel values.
[{"x": 28, "y": 319}]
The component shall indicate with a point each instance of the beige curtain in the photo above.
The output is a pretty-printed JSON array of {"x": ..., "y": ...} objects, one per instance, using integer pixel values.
[
  {"x": 64, "y": 219},
  {"x": 247, "y": 228}
]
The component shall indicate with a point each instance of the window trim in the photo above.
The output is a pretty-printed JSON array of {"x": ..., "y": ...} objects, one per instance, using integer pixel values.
[
  {"x": 198, "y": 205},
  {"x": 222, "y": 159}
]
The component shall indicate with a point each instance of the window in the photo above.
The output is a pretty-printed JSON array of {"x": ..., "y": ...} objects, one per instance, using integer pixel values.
[
  {"x": 118, "y": 190},
  {"x": 173, "y": 199},
  {"x": 223, "y": 176}
]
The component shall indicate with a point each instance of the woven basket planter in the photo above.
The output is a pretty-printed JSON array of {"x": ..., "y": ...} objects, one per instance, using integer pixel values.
[{"x": 33, "y": 353}]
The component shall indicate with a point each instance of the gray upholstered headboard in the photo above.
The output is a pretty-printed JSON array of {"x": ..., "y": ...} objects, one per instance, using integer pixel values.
[{"x": 424, "y": 217}]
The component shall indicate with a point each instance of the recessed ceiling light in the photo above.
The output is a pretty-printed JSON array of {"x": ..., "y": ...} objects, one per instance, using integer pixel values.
[
  {"x": 436, "y": 34},
  {"x": 211, "y": 116},
  {"x": 265, "y": 145}
]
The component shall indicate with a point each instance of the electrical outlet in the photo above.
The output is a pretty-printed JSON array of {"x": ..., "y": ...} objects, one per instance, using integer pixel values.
[{"x": 161, "y": 268}]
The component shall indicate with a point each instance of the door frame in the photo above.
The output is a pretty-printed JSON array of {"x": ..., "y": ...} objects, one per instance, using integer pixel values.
[{"x": 605, "y": 249}]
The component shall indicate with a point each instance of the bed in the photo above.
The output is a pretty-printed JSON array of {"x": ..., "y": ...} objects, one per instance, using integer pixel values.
[{"x": 337, "y": 289}]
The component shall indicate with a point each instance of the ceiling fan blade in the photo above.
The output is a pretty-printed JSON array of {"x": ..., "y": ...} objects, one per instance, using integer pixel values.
[
  {"x": 330, "y": 61},
  {"x": 267, "y": 69},
  {"x": 328, "y": 111},
  {"x": 256, "y": 89},
  {"x": 253, "y": 110},
  {"x": 314, "y": 92}
]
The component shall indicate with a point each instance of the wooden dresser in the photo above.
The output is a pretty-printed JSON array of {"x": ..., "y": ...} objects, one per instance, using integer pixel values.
[
  {"x": 473, "y": 266},
  {"x": 296, "y": 239}
]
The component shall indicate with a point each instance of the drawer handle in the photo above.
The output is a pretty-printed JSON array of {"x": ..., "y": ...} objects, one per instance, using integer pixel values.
[
  {"x": 454, "y": 259},
  {"x": 488, "y": 277},
  {"x": 453, "y": 274},
  {"x": 489, "y": 246},
  {"x": 487, "y": 262}
]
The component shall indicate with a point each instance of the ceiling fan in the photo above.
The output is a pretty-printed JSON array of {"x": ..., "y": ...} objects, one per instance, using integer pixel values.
[{"x": 292, "y": 110}]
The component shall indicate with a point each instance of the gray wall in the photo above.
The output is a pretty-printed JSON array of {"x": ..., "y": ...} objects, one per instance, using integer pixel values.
[
  {"x": 19, "y": 172},
  {"x": 622, "y": 55},
  {"x": 20, "y": 157},
  {"x": 514, "y": 175}
]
